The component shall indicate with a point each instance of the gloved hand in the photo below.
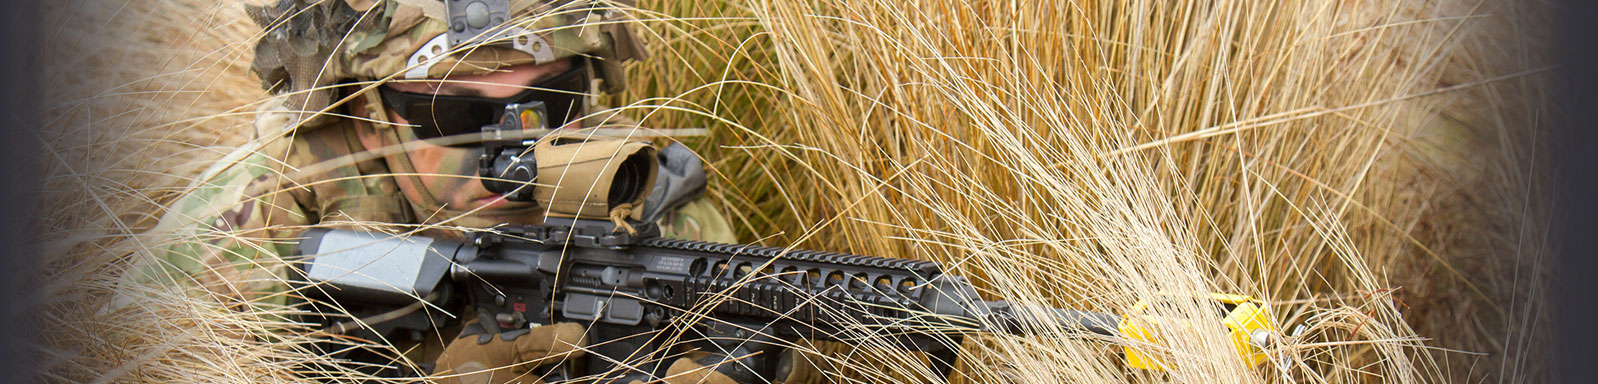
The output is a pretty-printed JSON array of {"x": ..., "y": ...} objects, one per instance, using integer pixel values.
[
  {"x": 689, "y": 370},
  {"x": 464, "y": 361},
  {"x": 701, "y": 367}
]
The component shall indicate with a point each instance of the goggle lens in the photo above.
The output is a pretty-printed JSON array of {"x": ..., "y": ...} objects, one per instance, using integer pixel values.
[{"x": 435, "y": 116}]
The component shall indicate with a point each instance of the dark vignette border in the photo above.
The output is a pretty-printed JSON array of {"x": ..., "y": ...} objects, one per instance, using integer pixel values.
[
  {"x": 20, "y": 168},
  {"x": 1575, "y": 186}
]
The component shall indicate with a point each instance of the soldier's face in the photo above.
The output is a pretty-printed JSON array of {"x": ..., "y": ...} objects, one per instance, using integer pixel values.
[{"x": 448, "y": 174}]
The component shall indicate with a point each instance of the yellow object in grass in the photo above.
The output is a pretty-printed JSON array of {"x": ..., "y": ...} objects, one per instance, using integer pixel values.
[{"x": 1247, "y": 325}]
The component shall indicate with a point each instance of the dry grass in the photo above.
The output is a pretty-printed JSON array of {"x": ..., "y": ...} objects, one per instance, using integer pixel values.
[{"x": 1369, "y": 168}]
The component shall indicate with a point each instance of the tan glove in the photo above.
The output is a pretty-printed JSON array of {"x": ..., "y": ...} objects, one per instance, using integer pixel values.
[
  {"x": 498, "y": 361},
  {"x": 791, "y": 368},
  {"x": 686, "y": 371}
]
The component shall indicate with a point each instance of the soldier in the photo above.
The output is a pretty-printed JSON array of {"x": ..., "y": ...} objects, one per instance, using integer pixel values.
[{"x": 361, "y": 83}]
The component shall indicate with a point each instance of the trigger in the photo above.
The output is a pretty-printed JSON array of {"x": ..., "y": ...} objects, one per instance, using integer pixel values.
[
  {"x": 475, "y": 330},
  {"x": 485, "y": 323}
]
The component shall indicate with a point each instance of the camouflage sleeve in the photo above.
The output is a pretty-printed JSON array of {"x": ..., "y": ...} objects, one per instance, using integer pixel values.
[
  {"x": 224, "y": 238},
  {"x": 699, "y": 219}
]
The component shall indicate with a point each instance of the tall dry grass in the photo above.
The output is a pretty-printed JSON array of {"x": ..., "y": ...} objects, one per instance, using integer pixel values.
[
  {"x": 141, "y": 97},
  {"x": 1371, "y": 169}
]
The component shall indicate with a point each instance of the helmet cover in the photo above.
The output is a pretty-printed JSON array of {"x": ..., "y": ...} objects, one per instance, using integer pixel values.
[{"x": 310, "y": 46}]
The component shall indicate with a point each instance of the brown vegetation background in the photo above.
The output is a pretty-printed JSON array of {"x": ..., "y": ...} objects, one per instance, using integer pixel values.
[{"x": 1373, "y": 170}]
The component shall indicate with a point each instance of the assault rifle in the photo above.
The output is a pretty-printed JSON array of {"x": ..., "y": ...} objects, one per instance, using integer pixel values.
[{"x": 632, "y": 290}]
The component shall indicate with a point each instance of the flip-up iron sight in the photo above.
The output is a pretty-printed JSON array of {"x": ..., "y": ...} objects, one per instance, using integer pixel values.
[{"x": 507, "y": 163}]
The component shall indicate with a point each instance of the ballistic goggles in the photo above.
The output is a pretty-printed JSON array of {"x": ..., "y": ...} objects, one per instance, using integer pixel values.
[{"x": 432, "y": 116}]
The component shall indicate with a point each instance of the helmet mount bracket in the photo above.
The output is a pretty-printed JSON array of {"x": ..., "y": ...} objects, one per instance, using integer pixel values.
[
  {"x": 477, "y": 22},
  {"x": 472, "y": 20}
]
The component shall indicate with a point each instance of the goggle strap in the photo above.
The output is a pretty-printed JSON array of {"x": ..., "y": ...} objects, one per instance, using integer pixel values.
[{"x": 376, "y": 111}]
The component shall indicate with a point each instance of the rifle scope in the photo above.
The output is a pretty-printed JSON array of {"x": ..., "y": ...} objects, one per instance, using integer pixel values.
[{"x": 613, "y": 172}]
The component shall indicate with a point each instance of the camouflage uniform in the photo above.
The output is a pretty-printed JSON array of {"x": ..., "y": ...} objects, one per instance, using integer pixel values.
[{"x": 230, "y": 233}]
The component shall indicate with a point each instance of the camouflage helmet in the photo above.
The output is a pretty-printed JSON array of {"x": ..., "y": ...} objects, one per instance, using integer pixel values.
[{"x": 312, "y": 45}]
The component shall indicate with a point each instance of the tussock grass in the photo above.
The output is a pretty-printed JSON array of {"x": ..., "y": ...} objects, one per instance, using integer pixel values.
[{"x": 1370, "y": 169}]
